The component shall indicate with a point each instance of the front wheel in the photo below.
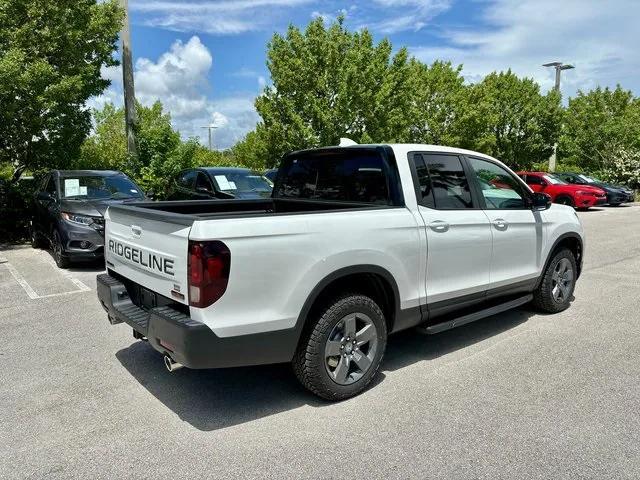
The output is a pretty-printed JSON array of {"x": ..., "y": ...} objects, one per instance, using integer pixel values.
[
  {"x": 342, "y": 351},
  {"x": 564, "y": 200},
  {"x": 58, "y": 251},
  {"x": 555, "y": 291},
  {"x": 36, "y": 239}
]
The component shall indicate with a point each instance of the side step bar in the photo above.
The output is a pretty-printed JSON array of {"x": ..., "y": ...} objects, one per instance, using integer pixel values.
[{"x": 472, "y": 317}]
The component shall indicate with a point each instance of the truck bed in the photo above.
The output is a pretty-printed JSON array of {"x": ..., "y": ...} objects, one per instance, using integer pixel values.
[{"x": 188, "y": 211}]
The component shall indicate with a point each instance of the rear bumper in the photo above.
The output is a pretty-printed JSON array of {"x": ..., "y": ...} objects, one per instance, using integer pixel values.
[{"x": 189, "y": 342}]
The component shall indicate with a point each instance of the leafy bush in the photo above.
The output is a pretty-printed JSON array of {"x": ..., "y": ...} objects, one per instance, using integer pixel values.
[
  {"x": 623, "y": 167},
  {"x": 16, "y": 207}
]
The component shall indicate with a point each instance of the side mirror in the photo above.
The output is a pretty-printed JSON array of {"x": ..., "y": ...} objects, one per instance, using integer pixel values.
[
  {"x": 540, "y": 201},
  {"x": 45, "y": 197},
  {"x": 150, "y": 194}
]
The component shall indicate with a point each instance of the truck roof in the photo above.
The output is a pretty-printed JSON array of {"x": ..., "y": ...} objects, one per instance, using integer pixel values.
[{"x": 404, "y": 148}]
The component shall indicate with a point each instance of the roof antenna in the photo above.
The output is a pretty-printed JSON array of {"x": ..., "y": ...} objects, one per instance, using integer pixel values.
[{"x": 346, "y": 142}]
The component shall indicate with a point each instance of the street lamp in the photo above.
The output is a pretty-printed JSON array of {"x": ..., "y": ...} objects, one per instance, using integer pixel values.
[
  {"x": 559, "y": 66},
  {"x": 210, "y": 127}
]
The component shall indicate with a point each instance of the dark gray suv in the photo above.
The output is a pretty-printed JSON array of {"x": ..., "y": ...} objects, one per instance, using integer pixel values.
[{"x": 69, "y": 208}]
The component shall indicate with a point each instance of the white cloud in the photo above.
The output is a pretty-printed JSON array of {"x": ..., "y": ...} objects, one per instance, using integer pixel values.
[
  {"x": 179, "y": 80},
  {"x": 405, "y": 15},
  {"x": 222, "y": 17},
  {"x": 599, "y": 38}
]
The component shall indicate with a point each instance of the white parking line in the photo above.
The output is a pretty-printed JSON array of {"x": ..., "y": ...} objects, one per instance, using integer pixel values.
[
  {"x": 32, "y": 294},
  {"x": 81, "y": 286},
  {"x": 21, "y": 281}
]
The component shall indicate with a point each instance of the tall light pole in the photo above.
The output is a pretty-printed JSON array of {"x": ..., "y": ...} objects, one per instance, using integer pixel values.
[
  {"x": 559, "y": 66},
  {"x": 131, "y": 117},
  {"x": 210, "y": 127}
]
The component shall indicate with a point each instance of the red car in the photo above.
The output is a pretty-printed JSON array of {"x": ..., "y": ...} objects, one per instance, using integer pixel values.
[{"x": 578, "y": 196}]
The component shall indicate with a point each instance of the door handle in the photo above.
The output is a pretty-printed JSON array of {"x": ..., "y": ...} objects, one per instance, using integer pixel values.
[
  {"x": 500, "y": 224},
  {"x": 439, "y": 226}
]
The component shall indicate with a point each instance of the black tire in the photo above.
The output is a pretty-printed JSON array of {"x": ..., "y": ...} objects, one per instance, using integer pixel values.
[
  {"x": 545, "y": 297},
  {"x": 614, "y": 204},
  {"x": 311, "y": 362},
  {"x": 58, "y": 251},
  {"x": 565, "y": 200},
  {"x": 36, "y": 239}
]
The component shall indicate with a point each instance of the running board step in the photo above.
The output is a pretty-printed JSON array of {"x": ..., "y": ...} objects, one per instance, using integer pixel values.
[{"x": 472, "y": 317}]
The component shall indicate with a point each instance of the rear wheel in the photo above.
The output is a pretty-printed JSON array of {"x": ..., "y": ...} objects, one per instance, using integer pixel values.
[
  {"x": 58, "y": 251},
  {"x": 342, "y": 351},
  {"x": 555, "y": 291}
]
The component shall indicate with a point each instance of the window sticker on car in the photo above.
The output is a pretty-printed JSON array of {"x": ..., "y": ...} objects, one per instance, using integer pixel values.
[
  {"x": 83, "y": 191},
  {"x": 232, "y": 185},
  {"x": 223, "y": 183},
  {"x": 71, "y": 187}
]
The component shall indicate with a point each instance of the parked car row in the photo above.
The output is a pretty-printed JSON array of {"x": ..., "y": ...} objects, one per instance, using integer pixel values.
[
  {"x": 576, "y": 190},
  {"x": 69, "y": 205}
]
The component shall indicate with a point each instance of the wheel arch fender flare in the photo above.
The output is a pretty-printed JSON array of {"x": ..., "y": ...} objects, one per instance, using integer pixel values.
[
  {"x": 562, "y": 239},
  {"x": 342, "y": 273}
]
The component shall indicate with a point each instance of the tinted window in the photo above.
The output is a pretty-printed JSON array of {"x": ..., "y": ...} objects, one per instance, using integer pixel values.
[
  {"x": 203, "y": 182},
  {"x": 51, "y": 186},
  {"x": 499, "y": 188},
  {"x": 187, "y": 179},
  {"x": 425, "y": 195},
  {"x": 534, "y": 180},
  {"x": 448, "y": 181},
  {"x": 350, "y": 176}
]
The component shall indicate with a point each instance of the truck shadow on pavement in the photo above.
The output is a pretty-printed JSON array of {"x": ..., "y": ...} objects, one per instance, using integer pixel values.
[{"x": 215, "y": 399}]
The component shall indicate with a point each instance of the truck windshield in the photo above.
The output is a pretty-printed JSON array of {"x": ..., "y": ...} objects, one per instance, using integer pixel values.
[
  {"x": 99, "y": 187},
  {"x": 336, "y": 175}
]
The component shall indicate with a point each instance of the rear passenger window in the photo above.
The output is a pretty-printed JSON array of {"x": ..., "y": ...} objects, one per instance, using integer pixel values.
[
  {"x": 345, "y": 175},
  {"x": 449, "y": 185}
]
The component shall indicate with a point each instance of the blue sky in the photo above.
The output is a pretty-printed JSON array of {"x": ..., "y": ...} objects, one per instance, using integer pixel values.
[{"x": 205, "y": 59}]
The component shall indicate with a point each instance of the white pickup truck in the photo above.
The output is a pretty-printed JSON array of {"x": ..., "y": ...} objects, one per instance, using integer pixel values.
[{"x": 356, "y": 243}]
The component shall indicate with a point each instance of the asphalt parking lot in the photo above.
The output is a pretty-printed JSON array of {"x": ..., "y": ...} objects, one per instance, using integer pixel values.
[{"x": 517, "y": 395}]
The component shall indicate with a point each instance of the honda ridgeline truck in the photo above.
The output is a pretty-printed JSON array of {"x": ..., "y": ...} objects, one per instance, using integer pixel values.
[{"x": 356, "y": 242}]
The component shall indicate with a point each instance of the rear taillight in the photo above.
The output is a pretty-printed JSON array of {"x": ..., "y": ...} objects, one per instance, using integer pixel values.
[{"x": 209, "y": 266}]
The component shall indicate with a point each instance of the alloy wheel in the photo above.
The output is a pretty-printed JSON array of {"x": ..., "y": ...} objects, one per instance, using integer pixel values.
[
  {"x": 57, "y": 247},
  {"x": 562, "y": 281},
  {"x": 351, "y": 348}
]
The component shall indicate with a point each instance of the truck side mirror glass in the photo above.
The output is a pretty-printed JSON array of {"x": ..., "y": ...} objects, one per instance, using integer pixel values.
[{"x": 540, "y": 201}]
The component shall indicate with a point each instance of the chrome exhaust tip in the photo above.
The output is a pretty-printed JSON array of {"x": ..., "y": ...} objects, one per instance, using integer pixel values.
[{"x": 171, "y": 365}]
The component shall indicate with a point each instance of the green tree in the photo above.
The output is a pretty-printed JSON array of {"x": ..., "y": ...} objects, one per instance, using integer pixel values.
[
  {"x": 253, "y": 151},
  {"x": 597, "y": 123},
  {"x": 161, "y": 152},
  {"x": 507, "y": 117},
  {"x": 330, "y": 83},
  {"x": 51, "y": 54},
  {"x": 438, "y": 103}
]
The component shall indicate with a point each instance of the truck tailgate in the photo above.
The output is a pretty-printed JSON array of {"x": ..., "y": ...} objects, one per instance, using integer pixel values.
[{"x": 150, "y": 250}]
